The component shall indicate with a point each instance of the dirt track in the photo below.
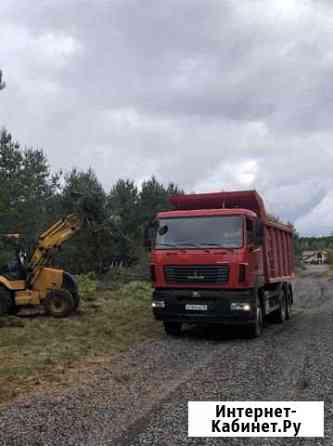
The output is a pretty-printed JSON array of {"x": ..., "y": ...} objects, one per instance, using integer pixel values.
[{"x": 142, "y": 398}]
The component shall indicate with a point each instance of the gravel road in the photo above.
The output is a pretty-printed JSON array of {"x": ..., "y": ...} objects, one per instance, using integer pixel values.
[{"x": 142, "y": 398}]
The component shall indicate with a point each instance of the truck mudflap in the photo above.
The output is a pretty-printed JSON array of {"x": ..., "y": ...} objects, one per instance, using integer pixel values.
[{"x": 205, "y": 305}]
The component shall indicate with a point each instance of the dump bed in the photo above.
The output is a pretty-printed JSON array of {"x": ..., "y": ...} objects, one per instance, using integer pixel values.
[
  {"x": 278, "y": 250},
  {"x": 279, "y": 260}
]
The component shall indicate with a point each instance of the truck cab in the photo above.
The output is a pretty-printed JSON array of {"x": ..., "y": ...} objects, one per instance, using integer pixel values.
[{"x": 207, "y": 265}]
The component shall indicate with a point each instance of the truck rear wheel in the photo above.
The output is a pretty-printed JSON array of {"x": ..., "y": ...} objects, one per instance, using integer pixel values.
[
  {"x": 281, "y": 313},
  {"x": 289, "y": 304},
  {"x": 59, "y": 303},
  {"x": 173, "y": 328}
]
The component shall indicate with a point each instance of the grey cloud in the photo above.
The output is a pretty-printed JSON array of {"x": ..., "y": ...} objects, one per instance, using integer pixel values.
[{"x": 211, "y": 95}]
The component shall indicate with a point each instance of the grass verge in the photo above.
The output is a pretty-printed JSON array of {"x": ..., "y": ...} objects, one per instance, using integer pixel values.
[{"x": 40, "y": 352}]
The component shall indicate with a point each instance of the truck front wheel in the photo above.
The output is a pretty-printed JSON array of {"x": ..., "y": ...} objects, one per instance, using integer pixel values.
[
  {"x": 173, "y": 328},
  {"x": 255, "y": 330},
  {"x": 289, "y": 304}
]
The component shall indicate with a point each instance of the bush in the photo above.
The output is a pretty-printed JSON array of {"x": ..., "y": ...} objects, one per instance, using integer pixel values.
[
  {"x": 87, "y": 283},
  {"x": 118, "y": 276}
]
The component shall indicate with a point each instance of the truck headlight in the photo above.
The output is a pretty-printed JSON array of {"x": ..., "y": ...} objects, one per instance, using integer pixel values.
[
  {"x": 158, "y": 304},
  {"x": 237, "y": 306}
]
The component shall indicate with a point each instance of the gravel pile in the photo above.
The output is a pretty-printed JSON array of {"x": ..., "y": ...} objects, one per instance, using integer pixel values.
[{"x": 142, "y": 398}]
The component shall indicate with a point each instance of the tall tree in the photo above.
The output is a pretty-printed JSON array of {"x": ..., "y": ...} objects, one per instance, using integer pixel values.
[
  {"x": 26, "y": 186},
  {"x": 123, "y": 210},
  {"x": 32, "y": 197},
  {"x": 82, "y": 193},
  {"x": 154, "y": 198}
]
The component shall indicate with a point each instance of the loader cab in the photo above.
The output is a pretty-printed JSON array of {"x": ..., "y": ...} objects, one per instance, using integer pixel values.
[{"x": 13, "y": 264}]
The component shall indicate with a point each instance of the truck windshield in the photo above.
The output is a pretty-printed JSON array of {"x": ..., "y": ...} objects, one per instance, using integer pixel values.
[{"x": 199, "y": 232}]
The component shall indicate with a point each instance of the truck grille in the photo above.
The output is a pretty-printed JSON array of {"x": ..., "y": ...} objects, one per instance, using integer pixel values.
[{"x": 197, "y": 274}]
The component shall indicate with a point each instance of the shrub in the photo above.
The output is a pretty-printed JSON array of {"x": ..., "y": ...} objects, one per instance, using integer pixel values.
[
  {"x": 87, "y": 283},
  {"x": 118, "y": 276}
]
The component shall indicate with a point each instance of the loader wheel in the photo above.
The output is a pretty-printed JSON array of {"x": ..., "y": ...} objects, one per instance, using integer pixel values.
[
  {"x": 76, "y": 300},
  {"x": 70, "y": 285},
  {"x": 59, "y": 303},
  {"x": 75, "y": 296},
  {"x": 6, "y": 302}
]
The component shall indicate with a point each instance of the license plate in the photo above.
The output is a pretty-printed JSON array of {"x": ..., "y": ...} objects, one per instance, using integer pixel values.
[{"x": 196, "y": 307}]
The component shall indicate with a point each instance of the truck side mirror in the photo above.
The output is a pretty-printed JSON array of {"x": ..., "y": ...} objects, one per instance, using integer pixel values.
[
  {"x": 259, "y": 232},
  {"x": 149, "y": 234},
  {"x": 146, "y": 238}
]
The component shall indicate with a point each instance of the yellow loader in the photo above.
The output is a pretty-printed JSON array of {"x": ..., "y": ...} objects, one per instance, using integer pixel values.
[{"x": 35, "y": 282}]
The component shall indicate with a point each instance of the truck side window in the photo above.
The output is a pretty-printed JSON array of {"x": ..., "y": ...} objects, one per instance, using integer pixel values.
[{"x": 249, "y": 231}]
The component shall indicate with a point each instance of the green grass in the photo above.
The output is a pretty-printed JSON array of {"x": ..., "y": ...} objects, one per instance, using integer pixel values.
[{"x": 39, "y": 352}]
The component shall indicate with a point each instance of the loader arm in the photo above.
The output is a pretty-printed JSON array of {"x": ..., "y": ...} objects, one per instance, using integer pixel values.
[{"x": 49, "y": 242}]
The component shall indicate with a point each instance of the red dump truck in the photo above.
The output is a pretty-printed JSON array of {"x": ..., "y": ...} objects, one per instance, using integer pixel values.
[{"x": 218, "y": 258}]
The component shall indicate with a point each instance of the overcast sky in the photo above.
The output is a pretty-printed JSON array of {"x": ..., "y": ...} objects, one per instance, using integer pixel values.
[{"x": 209, "y": 94}]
